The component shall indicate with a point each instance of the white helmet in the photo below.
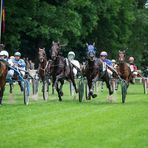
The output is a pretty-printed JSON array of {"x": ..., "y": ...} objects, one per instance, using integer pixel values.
[
  {"x": 71, "y": 53},
  {"x": 103, "y": 53},
  {"x": 131, "y": 59},
  {"x": 4, "y": 53},
  {"x": 17, "y": 54},
  {"x": 113, "y": 60}
]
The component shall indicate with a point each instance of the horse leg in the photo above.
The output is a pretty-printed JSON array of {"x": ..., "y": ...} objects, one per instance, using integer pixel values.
[
  {"x": 1, "y": 95},
  {"x": 21, "y": 86},
  {"x": 58, "y": 77},
  {"x": 74, "y": 84},
  {"x": 58, "y": 91},
  {"x": 61, "y": 86},
  {"x": 11, "y": 85},
  {"x": 107, "y": 81},
  {"x": 92, "y": 85}
]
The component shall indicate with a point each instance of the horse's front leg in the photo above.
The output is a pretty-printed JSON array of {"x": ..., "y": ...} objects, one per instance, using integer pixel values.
[
  {"x": 74, "y": 83},
  {"x": 61, "y": 86},
  {"x": 108, "y": 85},
  {"x": 58, "y": 77},
  {"x": 11, "y": 86},
  {"x": 1, "y": 95},
  {"x": 89, "y": 83},
  {"x": 93, "y": 83}
]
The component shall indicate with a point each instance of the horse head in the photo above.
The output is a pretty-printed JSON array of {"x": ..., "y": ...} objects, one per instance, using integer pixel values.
[
  {"x": 91, "y": 52},
  {"x": 121, "y": 56},
  {"x": 55, "y": 49},
  {"x": 41, "y": 54}
]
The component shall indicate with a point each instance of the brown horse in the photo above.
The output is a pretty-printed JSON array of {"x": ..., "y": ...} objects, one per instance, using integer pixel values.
[
  {"x": 60, "y": 70},
  {"x": 42, "y": 63},
  {"x": 3, "y": 74},
  {"x": 123, "y": 68},
  {"x": 44, "y": 71}
]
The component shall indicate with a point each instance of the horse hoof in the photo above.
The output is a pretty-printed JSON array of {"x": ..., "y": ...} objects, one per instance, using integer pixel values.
[
  {"x": 88, "y": 98},
  {"x": 91, "y": 93},
  {"x": 94, "y": 95},
  {"x": 111, "y": 92},
  {"x": 77, "y": 91},
  {"x": 60, "y": 100}
]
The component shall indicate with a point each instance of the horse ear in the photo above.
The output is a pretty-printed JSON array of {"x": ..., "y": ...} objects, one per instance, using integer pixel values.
[
  {"x": 93, "y": 43},
  {"x": 86, "y": 44},
  {"x": 52, "y": 42}
]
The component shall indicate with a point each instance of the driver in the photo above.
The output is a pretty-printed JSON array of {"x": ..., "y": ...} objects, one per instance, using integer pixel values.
[
  {"x": 105, "y": 62},
  {"x": 71, "y": 57},
  {"x": 17, "y": 62}
]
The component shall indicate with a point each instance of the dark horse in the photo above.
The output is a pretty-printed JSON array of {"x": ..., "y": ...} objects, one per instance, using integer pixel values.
[
  {"x": 61, "y": 69},
  {"x": 123, "y": 68},
  {"x": 3, "y": 74},
  {"x": 93, "y": 72}
]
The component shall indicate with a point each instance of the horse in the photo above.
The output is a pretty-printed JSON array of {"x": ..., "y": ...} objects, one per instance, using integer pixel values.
[
  {"x": 60, "y": 70},
  {"x": 93, "y": 72},
  {"x": 44, "y": 67},
  {"x": 42, "y": 63},
  {"x": 3, "y": 74},
  {"x": 123, "y": 68}
]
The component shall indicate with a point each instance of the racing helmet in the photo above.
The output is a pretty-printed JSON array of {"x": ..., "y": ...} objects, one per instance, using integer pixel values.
[
  {"x": 71, "y": 55},
  {"x": 131, "y": 59},
  {"x": 103, "y": 53},
  {"x": 4, "y": 53},
  {"x": 113, "y": 61},
  {"x": 17, "y": 54}
]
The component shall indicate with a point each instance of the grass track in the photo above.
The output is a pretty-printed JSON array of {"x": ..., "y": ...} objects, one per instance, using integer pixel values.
[{"x": 71, "y": 124}]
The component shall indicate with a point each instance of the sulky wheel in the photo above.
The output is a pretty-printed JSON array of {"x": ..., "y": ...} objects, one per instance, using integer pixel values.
[
  {"x": 81, "y": 89},
  {"x": 26, "y": 91},
  {"x": 45, "y": 90},
  {"x": 35, "y": 84},
  {"x": 124, "y": 90}
]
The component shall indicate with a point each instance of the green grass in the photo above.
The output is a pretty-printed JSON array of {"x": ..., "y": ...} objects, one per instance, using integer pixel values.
[{"x": 70, "y": 124}]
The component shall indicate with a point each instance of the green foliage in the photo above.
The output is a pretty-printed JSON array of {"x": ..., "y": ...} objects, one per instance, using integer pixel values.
[{"x": 112, "y": 25}]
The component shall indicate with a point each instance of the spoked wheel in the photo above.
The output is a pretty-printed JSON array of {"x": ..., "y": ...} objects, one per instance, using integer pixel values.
[
  {"x": 26, "y": 92},
  {"x": 71, "y": 89},
  {"x": 145, "y": 85},
  {"x": 124, "y": 90},
  {"x": 35, "y": 84},
  {"x": 86, "y": 90},
  {"x": 81, "y": 89},
  {"x": 45, "y": 90}
]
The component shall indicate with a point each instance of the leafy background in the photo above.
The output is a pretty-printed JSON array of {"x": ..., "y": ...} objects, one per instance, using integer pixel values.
[{"x": 112, "y": 25}]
